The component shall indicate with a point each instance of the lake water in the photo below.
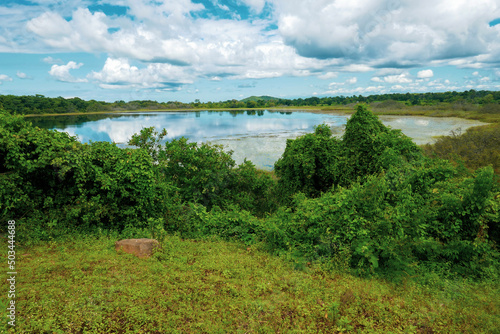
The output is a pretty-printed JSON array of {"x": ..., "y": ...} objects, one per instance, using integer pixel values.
[{"x": 259, "y": 136}]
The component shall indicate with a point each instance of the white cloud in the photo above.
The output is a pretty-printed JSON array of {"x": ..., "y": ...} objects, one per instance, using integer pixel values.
[
  {"x": 401, "y": 78},
  {"x": 52, "y": 28},
  {"x": 223, "y": 7},
  {"x": 4, "y": 77},
  {"x": 353, "y": 36},
  {"x": 118, "y": 73},
  {"x": 208, "y": 47},
  {"x": 349, "y": 81},
  {"x": 352, "y": 81},
  {"x": 22, "y": 75},
  {"x": 61, "y": 72},
  {"x": 50, "y": 60},
  {"x": 425, "y": 74},
  {"x": 356, "y": 91},
  {"x": 256, "y": 5},
  {"x": 357, "y": 68},
  {"x": 328, "y": 75},
  {"x": 396, "y": 78},
  {"x": 380, "y": 32}
]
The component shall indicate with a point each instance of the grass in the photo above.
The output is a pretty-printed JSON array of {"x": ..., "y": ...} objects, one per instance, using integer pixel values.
[
  {"x": 440, "y": 110},
  {"x": 82, "y": 285}
]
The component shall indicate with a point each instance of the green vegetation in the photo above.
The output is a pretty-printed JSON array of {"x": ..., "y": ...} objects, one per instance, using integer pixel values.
[
  {"x": 477, "y": 147},
  {"x": 475, "y": 104},
  {"x": 82, "y": 285},
  {"x": 259, "y": 98},
  {"x": 371, "y": 234}
]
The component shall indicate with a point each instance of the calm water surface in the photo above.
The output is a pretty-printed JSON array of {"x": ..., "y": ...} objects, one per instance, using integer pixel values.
[{"x": 259, "y": 136}]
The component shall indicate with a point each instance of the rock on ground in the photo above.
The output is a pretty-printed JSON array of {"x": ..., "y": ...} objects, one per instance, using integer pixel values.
[{"x": 139, "y": 247}]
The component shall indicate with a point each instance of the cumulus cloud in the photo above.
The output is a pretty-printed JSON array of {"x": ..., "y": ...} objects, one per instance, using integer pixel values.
[
  {"x": 425, "y": 74},
  {"x": 118, "y": 73},
  {"x": 277, "y": 39},
  {"x": 328, "y": 75},
  {"x": 349, "y": 81},
  {"x": 4, "y": 77},
  {"x": 382, "y": 32},
  {"x": 61, "y": 72},
  {"x": 356, "y": 91},
  {"x": 357, "y": 68},
  {"x": 206, "y": 45},
  {"x": 396, "y": 78},
  {"x": 352, "y": 80}
]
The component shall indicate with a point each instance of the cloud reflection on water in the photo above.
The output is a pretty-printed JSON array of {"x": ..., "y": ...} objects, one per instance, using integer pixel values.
[{"x": 260, "y": 137}]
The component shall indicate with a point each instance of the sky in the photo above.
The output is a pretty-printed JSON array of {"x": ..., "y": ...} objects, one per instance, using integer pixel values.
[{"x": 216, "y": 50}]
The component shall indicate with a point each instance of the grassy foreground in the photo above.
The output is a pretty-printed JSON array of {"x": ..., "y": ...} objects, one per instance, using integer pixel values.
[{"x": 210, "y": 286}]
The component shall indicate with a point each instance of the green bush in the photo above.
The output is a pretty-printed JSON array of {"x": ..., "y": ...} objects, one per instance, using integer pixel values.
[
  {"x": 308, "y": 163},
  {"x": 313, "y": 163},
  {"x": 51, "y": 180},
  {"x": 389, "y": 225},
  {"x": 477, "y": 147},
  {"x": 206, "y": 174}
]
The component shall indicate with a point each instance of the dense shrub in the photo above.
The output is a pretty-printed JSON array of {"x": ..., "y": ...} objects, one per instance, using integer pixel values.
[
  {"x": 50, "y": 178},
  {"x": 388, "y": 226},
  {"x": 391, "y": 209},
  {"x": 308, "y": 163},
  {"x": 477, "y": 147},
  {"x": 313, "y": 163},
  {"x": 206, "y": 174}
]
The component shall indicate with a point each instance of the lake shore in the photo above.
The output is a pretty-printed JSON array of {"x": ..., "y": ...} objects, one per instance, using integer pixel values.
[{"x": 340, "y": 110}]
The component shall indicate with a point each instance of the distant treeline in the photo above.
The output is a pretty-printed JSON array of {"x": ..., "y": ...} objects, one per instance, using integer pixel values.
[{"x": 39, "y": 104}]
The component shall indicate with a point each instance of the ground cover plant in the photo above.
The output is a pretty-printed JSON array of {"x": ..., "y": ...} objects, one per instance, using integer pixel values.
[
  {"x": 369, "y": 207},
  {"x": 81, "y": 285}
]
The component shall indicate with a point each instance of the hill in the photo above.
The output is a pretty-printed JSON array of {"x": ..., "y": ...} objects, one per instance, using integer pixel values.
[{"x": 259, "y": 98}]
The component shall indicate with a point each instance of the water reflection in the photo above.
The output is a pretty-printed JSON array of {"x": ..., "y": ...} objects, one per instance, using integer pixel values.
[
  {"x": 197, "y": 126},
  {"x": 259, "y": 136}
]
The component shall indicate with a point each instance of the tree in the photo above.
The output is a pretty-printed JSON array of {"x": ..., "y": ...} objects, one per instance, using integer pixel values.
[
  {"x": 308, "y": 162},
  {"x": 313, "y": 163}
]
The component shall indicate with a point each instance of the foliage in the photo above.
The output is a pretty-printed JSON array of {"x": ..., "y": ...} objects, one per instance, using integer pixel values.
[
  {"x": 390, "y": 209},
  {"x": 370, "y": 147},
  {"x": 369, "y": 202},
  {"x": 201, "y": 172},
  {"x": 150, "y": 140},
  {"x": 253, "y": 190},
  {"x": 399, "y": 221},
  {"x": 477, "y": 147},
  {"x": 49, "y": 177},
  {"x": 486, "y": 102},
  {"x": 306, "y": 164},
  {"x": 206, "y": 174},
  {"x": 313, "y": 163}
]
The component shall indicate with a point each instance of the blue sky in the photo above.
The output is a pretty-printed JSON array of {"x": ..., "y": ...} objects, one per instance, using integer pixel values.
[{"x": 212, "y": 50}]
